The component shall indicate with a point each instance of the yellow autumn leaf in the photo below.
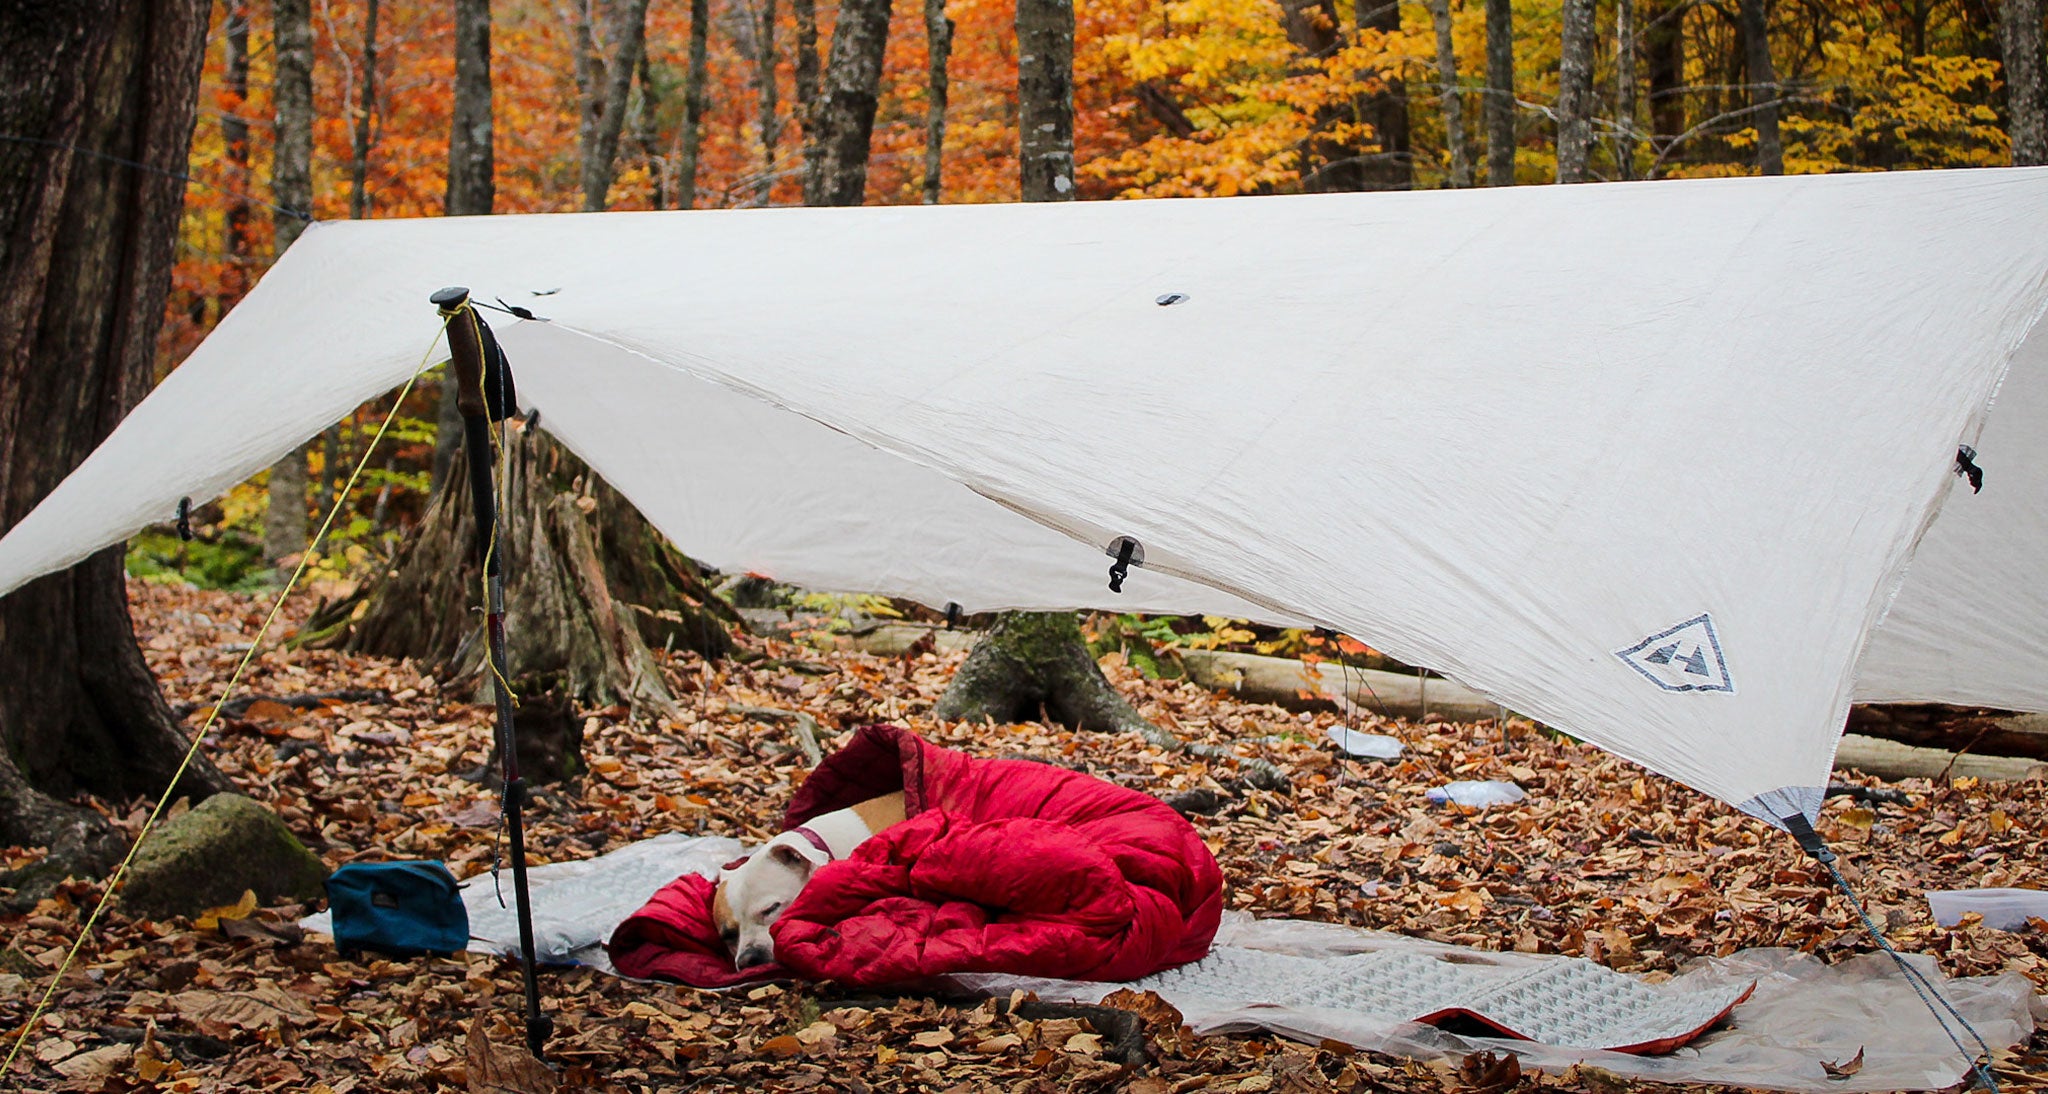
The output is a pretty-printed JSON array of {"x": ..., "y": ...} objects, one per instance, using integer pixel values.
[{"x": 210, "y": 919}]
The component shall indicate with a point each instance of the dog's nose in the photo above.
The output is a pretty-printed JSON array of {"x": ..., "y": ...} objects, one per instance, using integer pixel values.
[{"x": 753, "y": 955}]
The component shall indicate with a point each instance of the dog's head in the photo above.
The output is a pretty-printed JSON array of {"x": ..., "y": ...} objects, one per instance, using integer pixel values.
[{"x": 753, "y": 893}]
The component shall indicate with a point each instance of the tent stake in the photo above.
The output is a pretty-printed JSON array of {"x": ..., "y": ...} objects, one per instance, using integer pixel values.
[{"x": 477, "y": 369}]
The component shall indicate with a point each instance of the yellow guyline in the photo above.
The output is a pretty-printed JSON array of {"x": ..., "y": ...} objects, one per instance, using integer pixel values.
[{"x": 114, "y": 880}]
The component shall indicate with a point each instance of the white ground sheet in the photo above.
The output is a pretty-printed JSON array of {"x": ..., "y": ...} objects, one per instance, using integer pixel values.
[{"x": 1312, "y": 981}]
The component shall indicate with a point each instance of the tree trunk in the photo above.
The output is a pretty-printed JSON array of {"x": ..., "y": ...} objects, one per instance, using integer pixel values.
[
  {"x": 291, "y": 102},
  {"x": 1045, "y": 99},
  {"x": 767, "y": 92},
  {"x": 846, "y": 107},
  {"x": 691, "y": 137},
  {"x": 1625, "y": 143},
  {"x": 605, "y": 88},
  {"x": 938, "y": 33},
  {"x": 806, "y": 13},
  {"x": 1763, "y": 86},
  {"x": 291, "y": 182},
  {"x": 2026, "y": 96},
  {"x": 472, "y": 184},
  {"x": 1453, "y": 105},
  {"x": 1500, "y": 93},
  {"x": 366, "y": 108},
  {"x": 1386, "y": 110},
  {"x": 1663, "y": 46},
  {"x": 590, "y": 588},
  {"x": 84, "y": 274},
  {"x": 1575, "y": 94}
]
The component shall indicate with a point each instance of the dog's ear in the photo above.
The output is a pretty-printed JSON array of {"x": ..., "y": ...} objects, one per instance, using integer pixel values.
[{"x": 791, "y": 857}]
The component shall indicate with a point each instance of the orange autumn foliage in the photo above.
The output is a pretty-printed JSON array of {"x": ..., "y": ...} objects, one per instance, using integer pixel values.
[{"x": 1172, "y": 98}]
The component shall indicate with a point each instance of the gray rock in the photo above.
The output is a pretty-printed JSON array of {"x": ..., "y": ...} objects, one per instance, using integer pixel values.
[{"x": 209, "y": 856}]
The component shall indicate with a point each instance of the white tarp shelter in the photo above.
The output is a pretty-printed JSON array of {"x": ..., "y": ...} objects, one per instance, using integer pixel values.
[{"x": 1645, "y": 461}]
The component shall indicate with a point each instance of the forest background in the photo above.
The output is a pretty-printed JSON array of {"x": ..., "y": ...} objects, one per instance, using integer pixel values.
[{"x": 1170, "y": 99}]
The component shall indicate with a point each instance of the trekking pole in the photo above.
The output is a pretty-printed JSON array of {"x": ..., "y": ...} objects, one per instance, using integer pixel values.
[{"x": 483, "y": 392}]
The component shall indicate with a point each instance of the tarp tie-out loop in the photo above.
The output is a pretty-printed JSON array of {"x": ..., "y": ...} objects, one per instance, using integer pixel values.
[
  {"x": 1127, "y": 554},
  {"x": 1930, "y": 996},
  {"x": 513, "y": 310},
  {"x": 185, "y": 519},
  {"x": 1966, "y": 466}
]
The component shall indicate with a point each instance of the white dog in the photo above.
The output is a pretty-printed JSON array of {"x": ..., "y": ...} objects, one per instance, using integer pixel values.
[{"x": 752, "y": 894}]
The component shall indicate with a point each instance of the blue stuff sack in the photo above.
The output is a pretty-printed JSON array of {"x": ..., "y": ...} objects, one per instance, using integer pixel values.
[{"x": 400, "y": 908}]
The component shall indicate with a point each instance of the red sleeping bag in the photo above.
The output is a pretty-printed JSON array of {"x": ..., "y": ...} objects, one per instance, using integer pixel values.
[{"x": 1001, "y": 866}]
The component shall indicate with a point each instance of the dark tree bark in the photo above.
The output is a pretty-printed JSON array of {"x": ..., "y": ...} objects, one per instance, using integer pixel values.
[
  {"x": 1575, "y": 94},
  {"x": 1954, "y": 729},
  {"x": 806, "y": 15},
  {"x": 1452, "y": 103},
  {"x": 767, "y": 93},
  {"x": 1045, "y": 99},
  {"x": 1386, "y": 110},
  {"x": 366, "y": 112},
  {"x": 938, "y": 34},
  {"x": 604, "y": 87},
  {"x": 291, "y": 181},
  {"x": 85, "y": 266},
  {"x": 2026, "y": 95},
  {"x": 590, "y": 588},
  {"x": 472, "y": 183},
  {"x": 1763, "y": 86},
  {"x": 1500, "y": 93},
  {"x": 838, "y": 175},
  {"x": 472, "y": 186},
  {"x": 691, "y": 137},
  {"x": 1663, "y": 47}
]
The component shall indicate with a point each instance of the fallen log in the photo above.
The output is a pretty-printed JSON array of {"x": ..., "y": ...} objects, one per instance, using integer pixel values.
[
  {"x": 1891, "y": 760},
  {"x": 1329, "y": 685},
  {"x": 1954, "y": 729}
]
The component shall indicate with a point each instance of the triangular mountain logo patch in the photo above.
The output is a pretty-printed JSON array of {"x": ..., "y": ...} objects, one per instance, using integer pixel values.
[{"x": 1686, "y": 657}]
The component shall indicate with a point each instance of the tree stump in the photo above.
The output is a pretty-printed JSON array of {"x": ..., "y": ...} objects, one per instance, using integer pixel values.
[
  {"x": 1036, "y": 663},
  {"x": 591, "y": 588}
]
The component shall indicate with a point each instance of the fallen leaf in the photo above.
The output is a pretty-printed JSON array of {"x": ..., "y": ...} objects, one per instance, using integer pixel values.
[
  {"x": 266, "y": 1007},
  {"x": 1485, "y": 1073},
  {"x": 1844, "y": 1070},
  {"x": 503, "y": 1069},
  {"x": 933, "y": 1038},
  {"x": 100, "y": 1063},
  {"x": 211, "y": 918},
  {"x": 784, "y": 1046}
]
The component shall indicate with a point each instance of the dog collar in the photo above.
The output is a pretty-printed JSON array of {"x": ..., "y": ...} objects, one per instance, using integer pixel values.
[{"x": 817, "y": 841}]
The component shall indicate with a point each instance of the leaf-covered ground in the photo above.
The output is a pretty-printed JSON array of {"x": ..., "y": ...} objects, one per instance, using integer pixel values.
[{"x": 1602, "y": 860}]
